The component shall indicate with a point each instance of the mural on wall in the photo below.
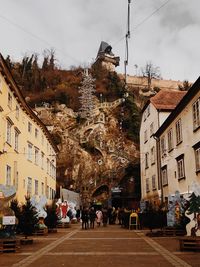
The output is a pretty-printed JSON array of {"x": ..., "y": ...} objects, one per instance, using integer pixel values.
[
  {"x": 61, "y": 210},
  {"x": 39, "y": 203},
  {"x": 193, "y": 211},
  {"x": 66, "y": 210},
  {"x": 176, "y": 205},
  {"x": 7, "y": 215}
]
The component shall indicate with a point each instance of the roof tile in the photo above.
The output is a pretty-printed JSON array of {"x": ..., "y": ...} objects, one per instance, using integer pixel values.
[{"x": 167, "y": 99}]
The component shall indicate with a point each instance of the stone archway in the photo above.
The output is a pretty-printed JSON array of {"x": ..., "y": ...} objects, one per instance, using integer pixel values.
[{"x": 101, "y": 193}]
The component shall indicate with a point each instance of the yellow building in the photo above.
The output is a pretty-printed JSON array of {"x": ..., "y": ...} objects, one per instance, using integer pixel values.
[{"x": 27, "y": 151}]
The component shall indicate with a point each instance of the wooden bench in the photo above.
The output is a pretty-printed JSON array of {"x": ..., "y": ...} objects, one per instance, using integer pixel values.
[
  {"x": 173, "y": 232},
  {"x": 9, "y": 245},
  {"x": 43, "y": 231},
  {"x": 167, "y": 232},
  {"x": 189, "y": 243},
  {"x": 63, "y": 225}
]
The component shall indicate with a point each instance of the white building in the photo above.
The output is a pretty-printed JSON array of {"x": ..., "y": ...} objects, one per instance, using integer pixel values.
[
  {"x": 179, "y": 141},
  {"x": 155, "y": 112}
]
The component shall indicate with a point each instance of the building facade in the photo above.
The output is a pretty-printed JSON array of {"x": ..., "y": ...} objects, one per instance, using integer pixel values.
[
  {"x": 154, "y": 113},
  {"x": 27, "y": 151},
  {"x": 179, "y": 139}
]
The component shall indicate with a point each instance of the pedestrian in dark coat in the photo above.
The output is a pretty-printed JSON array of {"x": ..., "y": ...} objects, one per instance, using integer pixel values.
[
  {"x": 105, "y": 216},
  {"x": 85, "y": 218},
  {"x": 92, "y": 217}
]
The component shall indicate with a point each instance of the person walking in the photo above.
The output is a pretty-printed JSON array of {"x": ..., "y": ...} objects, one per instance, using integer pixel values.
[
  {"x": 85, "y": 218},
  {"x": 105, "y": 216},
  {"x": 92, "y": 217},
  {"x": 99, "y": 217}
]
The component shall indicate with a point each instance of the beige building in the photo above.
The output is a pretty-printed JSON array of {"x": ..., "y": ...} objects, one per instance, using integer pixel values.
[
  {"x": 154, "y": 113},
  {"x": 27, "y": 151},
  {"x": 179, "y": 141}
]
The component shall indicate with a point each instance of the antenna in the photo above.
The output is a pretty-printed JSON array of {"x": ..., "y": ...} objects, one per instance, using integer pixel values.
[{"x": 128, "y": 35}]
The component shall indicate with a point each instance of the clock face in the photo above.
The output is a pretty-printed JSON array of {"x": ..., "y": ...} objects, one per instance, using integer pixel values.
[{"x": 100, "y": 161}]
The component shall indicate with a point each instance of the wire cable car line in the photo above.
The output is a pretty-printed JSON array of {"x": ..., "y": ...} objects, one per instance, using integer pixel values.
[
  {"x": 143, "y": 21},
  {"x": 37, "y": 37}
]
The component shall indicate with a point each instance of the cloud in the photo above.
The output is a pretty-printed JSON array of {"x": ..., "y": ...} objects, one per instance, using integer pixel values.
[{"x": 169, "y": 38}]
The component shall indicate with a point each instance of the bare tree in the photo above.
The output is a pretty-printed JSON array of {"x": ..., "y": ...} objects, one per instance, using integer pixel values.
[
  {"x": 185, "y": 87},
  {"x": 150, "y": 72}
]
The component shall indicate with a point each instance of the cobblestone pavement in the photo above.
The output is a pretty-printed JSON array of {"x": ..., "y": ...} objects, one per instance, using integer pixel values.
[{"x": 110, "y": 246}]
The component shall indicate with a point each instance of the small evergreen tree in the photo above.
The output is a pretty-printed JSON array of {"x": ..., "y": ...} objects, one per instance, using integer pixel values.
[
  {"x": 194, "y": 204},
  {"x": 28, "y": 218},
  {"x": 16, "y": 208},
  {"x": 52, "y": 218},
  {"x": 86, "y": 91}
]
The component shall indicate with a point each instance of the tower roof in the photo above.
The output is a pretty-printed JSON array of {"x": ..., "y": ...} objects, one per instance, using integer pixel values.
[{"x": 105, "y": 48}]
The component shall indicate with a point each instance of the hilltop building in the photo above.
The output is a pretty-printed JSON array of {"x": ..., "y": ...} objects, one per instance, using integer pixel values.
[
  {"x": 27, "y": 151},
  {"x": 106, "y": 57}
]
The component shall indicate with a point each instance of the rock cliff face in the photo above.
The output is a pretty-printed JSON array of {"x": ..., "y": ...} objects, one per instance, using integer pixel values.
[{"x": 93, "y": 151}]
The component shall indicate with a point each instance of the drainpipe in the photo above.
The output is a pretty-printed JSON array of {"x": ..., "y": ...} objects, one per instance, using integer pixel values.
[{"x": 158, "y": 157}]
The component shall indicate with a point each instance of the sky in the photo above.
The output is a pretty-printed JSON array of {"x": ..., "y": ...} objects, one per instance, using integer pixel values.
[{"x": 163, "y": 32}]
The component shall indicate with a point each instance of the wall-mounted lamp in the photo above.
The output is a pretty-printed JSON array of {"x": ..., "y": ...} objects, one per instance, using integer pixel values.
[{"x": 3, "y": 152}]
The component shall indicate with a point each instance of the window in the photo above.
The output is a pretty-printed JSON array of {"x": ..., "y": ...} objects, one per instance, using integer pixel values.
[
  {"x": 29, "y": 186},
  {"x": 54, "y": 172},
  {"x": 145, "y": 115},
  {"x": 153, "y": 155},
  {"x": 42, "y": 160},
  {"x": 197, "y": 159},
  {"x": 36, "y": 155},
  {"x": 48, "y": 166},
  {"x": 42, "y": 186},
  {"x": 180, "y": 166},
  {"x": 36, "y": 133},
  {"x": 153, "y": 182},
  {"x": 16, "y": 140},
  {"x": 8, "y": 132},
  {"x": 8, "y": 175},
  {"x": 145, "y": 136},
  {"x": 9, "y": 100},
  {"x": 36, "y": 187},
  {"x": 147, "y": 185},
  {"x": 47, "y": 193},
  {"x": 17, "y": 112},
  {"x": 148, "y": 110},
  {"x": 29, "y": 127},
  {"x": 151, "y": 129},
  {"x": 197, "y": 156},
  {"x": 163, "y": 146},
  {"x": 16, "y": 180},
  {"x": 196, "y": 114},
  {"x": 170, "y": 139},
  {"x": 16, "y": 176},
  {"x": 146, "y": 160},
  {"x": 164, "y": 175},
  {"x": 178, "y": 132},
  {"x": 30, "y": 146},
  {"x": 47, "y": 148}
]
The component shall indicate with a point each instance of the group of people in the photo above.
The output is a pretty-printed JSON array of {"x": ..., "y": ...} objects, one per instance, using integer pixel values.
[{"x": 101, "y": 216}]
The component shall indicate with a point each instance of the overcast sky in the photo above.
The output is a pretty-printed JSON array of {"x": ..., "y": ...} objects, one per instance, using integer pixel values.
[{"x": 170, "y": 38}]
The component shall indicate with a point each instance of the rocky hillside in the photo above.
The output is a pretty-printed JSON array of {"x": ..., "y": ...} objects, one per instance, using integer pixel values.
[{"x": 99, "y": 150}]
